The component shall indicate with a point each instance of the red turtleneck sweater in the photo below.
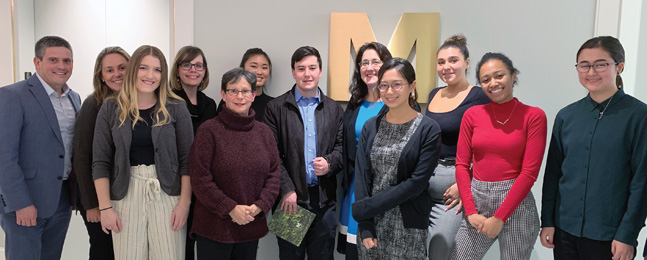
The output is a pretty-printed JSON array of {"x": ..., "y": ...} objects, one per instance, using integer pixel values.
[
  {"x": 234, "y": 161},
  {"x": 500, "y": 152}
]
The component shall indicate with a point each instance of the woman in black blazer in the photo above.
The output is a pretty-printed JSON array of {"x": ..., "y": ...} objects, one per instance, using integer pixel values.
[
  {"x": 397, "y": 154},
  {"x": 364, "y": 103}
]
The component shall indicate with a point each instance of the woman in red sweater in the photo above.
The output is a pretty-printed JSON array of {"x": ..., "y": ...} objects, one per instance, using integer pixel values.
[
  {"x": 235, "y": 171},
  {"x": 500, "y": 150}
]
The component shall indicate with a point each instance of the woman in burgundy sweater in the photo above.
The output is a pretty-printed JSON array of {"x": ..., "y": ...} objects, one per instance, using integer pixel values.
[
  {"x": 503, "y": 143},
  {"x": 235, "y": 171}
]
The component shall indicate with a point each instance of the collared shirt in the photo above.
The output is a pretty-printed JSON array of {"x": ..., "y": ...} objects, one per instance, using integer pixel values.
[
  {"x": 307, "y": 108},
  {"x": 66, "y": 115},
  {"x": 595, "y": 183}
]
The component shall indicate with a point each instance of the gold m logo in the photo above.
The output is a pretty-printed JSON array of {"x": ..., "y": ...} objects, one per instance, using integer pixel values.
[{"x": 419, "y": 30}]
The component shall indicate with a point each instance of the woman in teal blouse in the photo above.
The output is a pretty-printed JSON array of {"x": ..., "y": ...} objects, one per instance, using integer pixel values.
[{"x": 595, "y": 184}]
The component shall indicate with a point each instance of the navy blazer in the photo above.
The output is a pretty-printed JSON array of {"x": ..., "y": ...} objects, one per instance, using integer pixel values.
[
  {"x": 350, "y": 141},
  {"x": 32, "y": 155},
  {"x": 416, "y": 165}
]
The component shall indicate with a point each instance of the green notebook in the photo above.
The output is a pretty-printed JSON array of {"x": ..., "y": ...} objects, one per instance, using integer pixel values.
[{"x": 291, "y": 228}]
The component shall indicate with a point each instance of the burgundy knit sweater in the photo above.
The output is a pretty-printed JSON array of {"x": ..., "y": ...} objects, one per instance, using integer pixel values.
[{"x": 234, "y": 161}]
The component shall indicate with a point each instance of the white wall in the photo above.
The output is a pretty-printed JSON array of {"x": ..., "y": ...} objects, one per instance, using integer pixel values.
[
  {"x": 641, "y": 78},
  {"x": 94, "y": 26},
  {"x": 541, "y": 37},
  {"x": 6, "y": 44}
]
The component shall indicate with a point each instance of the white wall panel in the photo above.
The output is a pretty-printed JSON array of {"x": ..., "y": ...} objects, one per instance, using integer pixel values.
[
  {"x": 82, "y": 23},
  {"x": 130, "y": 24},
  {"x": 6, "y": 44}
]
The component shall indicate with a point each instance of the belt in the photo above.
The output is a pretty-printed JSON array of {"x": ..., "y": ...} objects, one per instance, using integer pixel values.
[{"x": 447, "y": 162}]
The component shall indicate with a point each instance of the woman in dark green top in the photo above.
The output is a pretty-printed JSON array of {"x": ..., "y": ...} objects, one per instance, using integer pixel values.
[{"x": 595, "y": 184}]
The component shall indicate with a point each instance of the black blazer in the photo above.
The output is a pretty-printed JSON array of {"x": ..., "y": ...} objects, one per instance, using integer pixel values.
[
  {"x": 415, "y": 166},
  {"x": 350, "y": 141},
  {"x": 284, "y": 119}
]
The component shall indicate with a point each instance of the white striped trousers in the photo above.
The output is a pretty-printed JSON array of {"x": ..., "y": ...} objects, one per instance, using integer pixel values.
[{"x": 145, "y": 214}]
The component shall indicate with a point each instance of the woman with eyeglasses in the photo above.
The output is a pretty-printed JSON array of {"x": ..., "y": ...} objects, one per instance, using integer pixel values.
[
  {"x": 140, "y": 166},
  {"x": 397, "y": 154},
  {"x": 235, "y": 174},
  {"x": 500, "y": 149},
  {"x": 446, "y": 106},
  {"x": 364, "y": 104},
  {"x": 595, "y": 184},
  {"x": 258, "y": 62},
  {"x": 191, "y": 78}
]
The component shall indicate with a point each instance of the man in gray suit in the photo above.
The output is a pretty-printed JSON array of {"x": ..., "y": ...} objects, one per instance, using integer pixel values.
[{"x": 37, "y": 126}]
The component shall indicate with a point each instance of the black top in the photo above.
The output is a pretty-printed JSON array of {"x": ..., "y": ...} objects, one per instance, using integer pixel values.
[
  {"x": 450, "y": 122},
  {"x": 259, "y": 104},
  {"x": 142, "y": 150},
  {"x": 203, "y": 111},
  {"x": 86, "y": 119}
]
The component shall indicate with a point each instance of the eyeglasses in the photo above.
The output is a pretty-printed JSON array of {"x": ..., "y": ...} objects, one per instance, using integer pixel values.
[
  {"x": 234, "y": 93},
  {"x": 598, "y": 67},
  {"x": 197, "y": 66},
  {"x": 374, "y": 63},
  {"x": 396, "y": 86}
]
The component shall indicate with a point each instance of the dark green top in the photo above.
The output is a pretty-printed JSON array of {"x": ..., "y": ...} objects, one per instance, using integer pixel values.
[{"x": 595, "y": 184}]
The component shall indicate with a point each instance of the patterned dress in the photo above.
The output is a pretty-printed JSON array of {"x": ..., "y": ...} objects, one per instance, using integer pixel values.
[{"x": 394, "y": 241}]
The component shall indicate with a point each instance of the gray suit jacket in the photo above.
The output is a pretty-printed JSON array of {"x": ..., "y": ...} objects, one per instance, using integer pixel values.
[
  {"x": 32, "y": 154},
  {"x": 111, "y": 148}
]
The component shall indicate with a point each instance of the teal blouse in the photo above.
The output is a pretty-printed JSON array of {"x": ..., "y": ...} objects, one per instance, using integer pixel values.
[{"x": 595, "y": 185}]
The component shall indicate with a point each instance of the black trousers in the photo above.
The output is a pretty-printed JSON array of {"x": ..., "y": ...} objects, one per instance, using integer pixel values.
[
  {"x": 569, "y": 247},
  {"x": 211, "y": 250},
  {"x": 345, "y": 248},
  {"x": 100, "y": 242},
  {"x": 319, "y": 242},
  {"x": 189, "y": 254}
]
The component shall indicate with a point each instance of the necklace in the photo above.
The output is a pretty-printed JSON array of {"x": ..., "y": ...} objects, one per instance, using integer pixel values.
[
  {"x": 605, "y": 108},
  {"x": 503, "y": 123}
]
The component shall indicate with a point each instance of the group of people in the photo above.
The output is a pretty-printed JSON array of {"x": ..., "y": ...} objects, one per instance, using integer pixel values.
[{"x": 157, "y": 168}]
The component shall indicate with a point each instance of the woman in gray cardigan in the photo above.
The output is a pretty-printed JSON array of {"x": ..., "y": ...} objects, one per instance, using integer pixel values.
[{"x": 141, "y": 162}]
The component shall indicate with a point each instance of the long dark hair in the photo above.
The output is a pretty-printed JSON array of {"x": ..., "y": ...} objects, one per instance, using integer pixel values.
[
  {"x": 253, "y": 52},
  {"x": 405, "y": 69},
  {"x": 609, "y": 44},
  {"x": 358, "y": 89}
]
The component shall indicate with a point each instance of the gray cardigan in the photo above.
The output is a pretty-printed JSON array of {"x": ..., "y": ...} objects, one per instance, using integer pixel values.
[{"x": 111, "y": 148}]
